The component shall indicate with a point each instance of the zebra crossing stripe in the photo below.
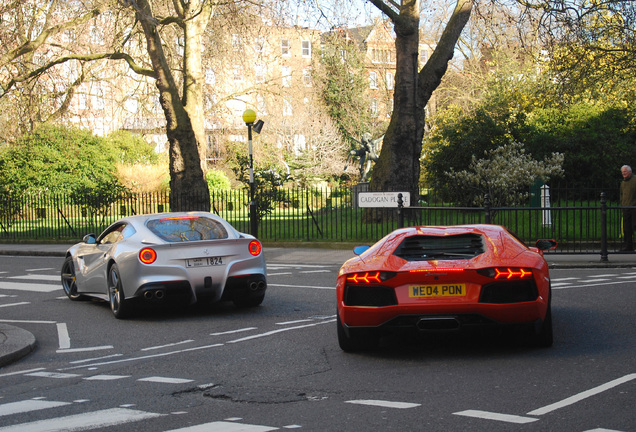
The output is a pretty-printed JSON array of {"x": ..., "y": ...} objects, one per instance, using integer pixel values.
[
  {"x": 89, "y": 420},
  {"x": 29, "y": 286},
  {"x": 27, "y": 406},
  {"x": 223, "y": 426}
]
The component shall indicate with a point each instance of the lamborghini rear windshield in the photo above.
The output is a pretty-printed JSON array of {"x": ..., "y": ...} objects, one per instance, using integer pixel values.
[{"x": 422, "y": 248}]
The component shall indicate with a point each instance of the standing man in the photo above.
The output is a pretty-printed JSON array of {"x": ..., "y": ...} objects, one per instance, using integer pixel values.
[{"x": 628, "y": 199}]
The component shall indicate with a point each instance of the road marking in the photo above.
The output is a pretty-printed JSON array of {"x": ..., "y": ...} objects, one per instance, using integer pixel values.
[
  {"x": 89, "y": 420},
  {"x": 27, "y": 322},
  {"x": 87, "y": 349},
  {"x": 96, "y": 358},
  {"x": 315, "y": 271},
  {"x": 57, "y": 375},
  {"x": 62, "y": 336},
  {"x": 294, "y": 322},
  {"x": 28, "y": 406},
  {"x": 130, "y": 359},
  {"x": 40, "y": 269},
  {"x": 37, "y": 277},
  {"x": 223, "y": 426},
  {"x": 28, "y": 287},
  {"x": 106, "y": 377},
  {"x": 279, "y": 274},
  {"x": 233, "y": 331},
  {"x": 269, "y": 333},
  {"x": 496, "y": 416},
  {"x": 166, "y": 380},
  {"x": 15, "y": 304},
  {"x": 20, "y": 372},
  {"x": 167, "y": 345},
  {"x": 301, "y": 286},
  {"x": 383, "y": 403},
  {"x": 583, "y": 395}
]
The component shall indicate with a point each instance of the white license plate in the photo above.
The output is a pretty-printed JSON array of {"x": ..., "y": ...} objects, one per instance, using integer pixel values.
[{"x": 204, "y": 262}]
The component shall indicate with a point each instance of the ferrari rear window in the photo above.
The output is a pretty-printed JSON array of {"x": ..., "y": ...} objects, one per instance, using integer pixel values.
[
  {"x": 421, "y": 248},
  {"x": 186, "y": 229}
]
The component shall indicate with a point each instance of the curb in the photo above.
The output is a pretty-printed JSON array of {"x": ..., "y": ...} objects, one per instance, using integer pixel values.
[{"x": 15, "y": 343}]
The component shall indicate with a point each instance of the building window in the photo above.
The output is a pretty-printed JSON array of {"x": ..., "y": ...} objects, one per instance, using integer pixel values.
[
  {"x": 237, "y": 45},
  {"x": 97, "y": 36},
  {"x": 285, "y": 48},
  {"x": 307, "y": 76},
  {"x": 373, "y": 108},
  {"x": 389, "y": 81},
  {"x": 373, "y": 80},
  {"x": 259, "y": 45},
  {"x": 97, "y": 96},
  {"x": 306, "y": 49},
  {"x": 286, "y": 73},
  {"x": 287, "y": 108},
  {"x": 259, "y": 73},
  {"x": 210, "y": 77},
  {"x": 238, "y": 73}
]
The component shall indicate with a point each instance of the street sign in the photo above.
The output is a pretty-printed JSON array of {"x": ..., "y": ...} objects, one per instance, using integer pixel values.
[{"x": 382, "y": 199}]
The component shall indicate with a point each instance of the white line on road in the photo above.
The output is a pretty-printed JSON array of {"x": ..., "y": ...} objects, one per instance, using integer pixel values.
[
  {"x": 62, "y": 336},
  {"x": 222, "y": 426},
  {"x": 21, "y": 372},
  {"x": 583, "y": 395},
  {"x": 28, "y": 406},
  {"x": 51, "y": 278},
  {"x": 166, "y": 380},
  {"x": 167, "y": 345},
  {"x": 89, "y": 420},
  {"x": 269, "y": 333},
  {"x": 496, "y": 416},
  {"x": 233, "y": 331},
  {"x": 106, "y": 377},
  {"x": 28, "y": 287},
  {"x": 383, "y": 403},
  {"x": 87, "y": 349},
  {"x": 301, "y": 286},
  {"x": 15, "y": 304}
]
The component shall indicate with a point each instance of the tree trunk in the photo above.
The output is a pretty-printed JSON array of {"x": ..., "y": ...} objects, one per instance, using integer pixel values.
[
  {"x": 188, "y": 187},
  {"x": 398, "y": 166}
]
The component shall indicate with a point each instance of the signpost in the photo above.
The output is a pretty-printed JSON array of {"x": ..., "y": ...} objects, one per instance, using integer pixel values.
[{"x": 382, "y": 199}]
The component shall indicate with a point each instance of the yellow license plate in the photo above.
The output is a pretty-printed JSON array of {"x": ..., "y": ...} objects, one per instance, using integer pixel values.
[{"x": 441, "y": 290}]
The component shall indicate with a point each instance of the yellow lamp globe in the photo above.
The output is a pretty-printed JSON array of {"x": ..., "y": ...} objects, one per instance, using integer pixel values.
[{"x": 249, "y": 116}]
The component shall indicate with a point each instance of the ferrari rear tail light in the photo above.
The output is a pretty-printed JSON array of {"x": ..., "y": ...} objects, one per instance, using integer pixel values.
[
  {"x": 506, "y": 273},
  {"x": 147, "y": 255},
  {"x": 255, "y": 247},
  {"x": 367, "y": 278}
]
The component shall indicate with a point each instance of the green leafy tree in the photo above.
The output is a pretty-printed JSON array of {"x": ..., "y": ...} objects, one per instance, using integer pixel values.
[
  {"x": 343, "y": 85},
  {"x": 132, "y": 149},
  {"x": 505, "y": 175},
  {"x": 59, "y": 160},
  {"x": 63, "y": 161}
]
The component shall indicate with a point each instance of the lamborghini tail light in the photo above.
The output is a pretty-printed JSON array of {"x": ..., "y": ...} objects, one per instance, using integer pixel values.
[
  {"x": 147, "y": 255},
  {"x": 369, "y": 278},
  {"x": 506, "y": 273}
]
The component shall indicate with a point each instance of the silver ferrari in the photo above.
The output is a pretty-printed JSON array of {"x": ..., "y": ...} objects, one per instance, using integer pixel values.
[{"x": 166, "y": 258}]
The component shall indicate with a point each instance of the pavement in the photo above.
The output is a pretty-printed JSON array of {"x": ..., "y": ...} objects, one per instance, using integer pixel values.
[{"x": 16, "y": 343}]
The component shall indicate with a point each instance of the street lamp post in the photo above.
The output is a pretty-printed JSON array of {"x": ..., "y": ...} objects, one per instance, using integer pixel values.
[{"x": 249, "y": 116}]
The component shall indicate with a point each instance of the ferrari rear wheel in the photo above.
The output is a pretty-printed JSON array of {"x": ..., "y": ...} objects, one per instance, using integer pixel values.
[
  {"x": 119, "y": 305},
  {"x": 69, "y": 280},
  {"x": 355, "y": 341}
]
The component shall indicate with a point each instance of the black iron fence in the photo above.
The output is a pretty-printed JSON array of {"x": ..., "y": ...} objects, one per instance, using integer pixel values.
[{"x": 583, "y": 224}]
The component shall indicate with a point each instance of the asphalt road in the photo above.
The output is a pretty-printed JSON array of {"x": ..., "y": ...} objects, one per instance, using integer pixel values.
[{"x": 279, "y": 366}]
